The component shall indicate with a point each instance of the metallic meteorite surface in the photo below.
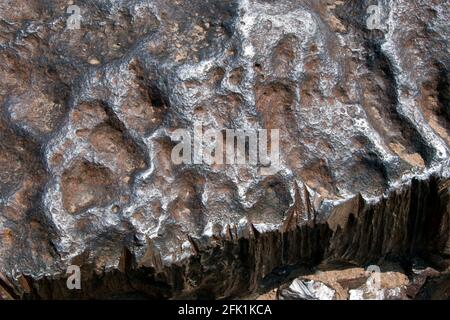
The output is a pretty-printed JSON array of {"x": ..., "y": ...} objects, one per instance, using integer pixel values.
[{"x": 87, "y": 115}]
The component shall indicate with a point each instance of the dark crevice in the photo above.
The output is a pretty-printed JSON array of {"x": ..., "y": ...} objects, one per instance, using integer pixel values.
[
  {"x": 379, "y": 63},
  {"x": 443, "y": 90}
]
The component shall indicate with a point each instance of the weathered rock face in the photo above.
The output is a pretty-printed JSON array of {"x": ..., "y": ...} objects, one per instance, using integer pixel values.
[
  {"x": 390, "y": 282},
  {"x": 86, "y": 121}
]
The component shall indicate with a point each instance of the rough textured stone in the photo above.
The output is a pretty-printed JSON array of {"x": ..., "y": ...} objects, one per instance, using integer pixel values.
[
  {"x": 340, "y": 282},
  {"x": 85, "y": 142}
]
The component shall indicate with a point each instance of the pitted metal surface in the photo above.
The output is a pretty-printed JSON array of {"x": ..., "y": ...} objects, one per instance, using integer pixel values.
[{"x": 87, "y": 116}]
